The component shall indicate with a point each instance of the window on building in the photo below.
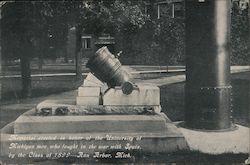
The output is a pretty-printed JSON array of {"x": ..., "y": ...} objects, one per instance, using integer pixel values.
[
  {"x": 178, "y": 10},
  {"x": 86, "y": 42},
  {"x": 244, "y": 4}
]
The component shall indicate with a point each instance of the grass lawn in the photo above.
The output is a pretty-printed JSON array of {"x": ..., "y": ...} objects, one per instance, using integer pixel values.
[
  {"x": 172, "y": 99},
  {"x": 41, "y": 86}
]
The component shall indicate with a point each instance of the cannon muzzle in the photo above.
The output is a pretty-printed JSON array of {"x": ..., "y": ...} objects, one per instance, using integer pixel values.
[{"x": 107, "y": 68}]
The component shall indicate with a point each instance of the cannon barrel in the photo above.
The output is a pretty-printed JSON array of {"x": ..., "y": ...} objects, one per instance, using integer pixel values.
[{"x": 107, "y": 68}]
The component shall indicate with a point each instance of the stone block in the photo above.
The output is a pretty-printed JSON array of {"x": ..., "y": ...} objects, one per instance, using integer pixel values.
[
  {"x": 89, "y": 91},
  {"x": 90, "y": 123},
  {"x": 144, "y": 95},
  {"x": 91, "y": 80},
  {"x": 87, "y": 100}
]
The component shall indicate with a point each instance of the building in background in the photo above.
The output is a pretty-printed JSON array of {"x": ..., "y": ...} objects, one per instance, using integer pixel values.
[{"x": 176, "y": 8}]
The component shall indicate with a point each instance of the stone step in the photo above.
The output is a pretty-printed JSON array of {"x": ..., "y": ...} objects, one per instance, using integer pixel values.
[{"x": 26, "y": 124}]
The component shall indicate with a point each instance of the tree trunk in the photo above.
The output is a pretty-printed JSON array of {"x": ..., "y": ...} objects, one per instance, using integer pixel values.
[
  {"x": 1, "y": 62},
  {"x": 26, "y": 76},
  {"x": 1, "y": 55},
  {"x": 65, "y": 43},
  {"x": 248, "y": 32},
  {"x": 152, "y": 12},
  {"x": 78, "y": 54},
  {"x": 65, "y": 54}
]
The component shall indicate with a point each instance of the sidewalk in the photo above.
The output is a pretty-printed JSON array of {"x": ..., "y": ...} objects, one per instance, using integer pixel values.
[{"x": 134, "y": 69}]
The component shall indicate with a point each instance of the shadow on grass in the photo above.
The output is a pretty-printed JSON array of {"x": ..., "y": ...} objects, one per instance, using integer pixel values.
[{"x": 41, "y": 86}]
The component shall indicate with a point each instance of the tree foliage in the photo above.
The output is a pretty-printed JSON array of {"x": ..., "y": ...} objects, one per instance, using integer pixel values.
[
  {"x": 240, "y": 37},
  {"x": 39, "y": 29},
  {"x": 158, "y": 41},
  {"x": 114, "y": 16}
]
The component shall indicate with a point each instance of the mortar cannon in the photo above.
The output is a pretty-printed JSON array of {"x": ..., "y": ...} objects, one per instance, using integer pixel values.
[
  {"x": 120, "y": 94},
  {"x": 107, "y": 68}
]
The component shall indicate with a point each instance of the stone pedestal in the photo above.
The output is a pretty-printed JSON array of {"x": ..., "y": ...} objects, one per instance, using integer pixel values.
[
  {"x": 155, "y": 132},
  {"x": 143, "y": 95}
]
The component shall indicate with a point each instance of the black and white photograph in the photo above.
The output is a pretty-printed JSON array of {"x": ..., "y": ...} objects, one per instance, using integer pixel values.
[{"x": 125, "y": 82}]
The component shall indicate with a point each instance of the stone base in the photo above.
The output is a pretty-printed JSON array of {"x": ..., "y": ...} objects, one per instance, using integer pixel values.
[
  {"x": 149, "y": 142},
  {"x": 26, "y": 124},
  {"x": 152, "y": 133},
  {"x": 214, "y": 142}
]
